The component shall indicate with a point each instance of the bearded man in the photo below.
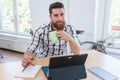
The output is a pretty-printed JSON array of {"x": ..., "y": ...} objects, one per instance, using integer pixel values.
[{"x": 42, "y": 46}]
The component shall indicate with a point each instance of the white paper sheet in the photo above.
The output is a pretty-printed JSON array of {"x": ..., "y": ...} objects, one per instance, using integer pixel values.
[{"x": 29, "y": 72}]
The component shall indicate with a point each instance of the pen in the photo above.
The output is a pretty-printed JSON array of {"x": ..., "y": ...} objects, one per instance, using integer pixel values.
[{"x": 26, "y": 66}]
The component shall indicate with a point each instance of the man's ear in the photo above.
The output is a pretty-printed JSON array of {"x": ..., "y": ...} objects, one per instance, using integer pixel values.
[{"x": 50, "y": 16}]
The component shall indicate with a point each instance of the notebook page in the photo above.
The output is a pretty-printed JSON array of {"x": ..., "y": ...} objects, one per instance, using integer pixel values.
[{"x": 29, "y": 72}]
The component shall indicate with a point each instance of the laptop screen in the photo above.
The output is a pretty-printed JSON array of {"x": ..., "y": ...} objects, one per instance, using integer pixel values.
[{"x": 70, "y": 60}]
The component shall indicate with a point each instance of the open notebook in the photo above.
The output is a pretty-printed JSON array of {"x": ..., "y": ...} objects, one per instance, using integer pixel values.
[{"x": 29, "y": 72}]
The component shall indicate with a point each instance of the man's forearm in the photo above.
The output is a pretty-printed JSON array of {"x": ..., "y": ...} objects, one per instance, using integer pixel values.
[{"x": 75, "y": 48}]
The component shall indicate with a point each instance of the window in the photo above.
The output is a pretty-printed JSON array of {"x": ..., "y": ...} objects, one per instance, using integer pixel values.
[
  {"x": 15, "y": 16},
  {"x": 7, "y": 15},
  {"x": 114, "y": 23}
]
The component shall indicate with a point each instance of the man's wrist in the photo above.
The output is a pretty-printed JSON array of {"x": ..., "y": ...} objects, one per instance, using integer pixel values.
[
  {"x": 28, "y": 53},
  {"x": 71, "y": 39}
]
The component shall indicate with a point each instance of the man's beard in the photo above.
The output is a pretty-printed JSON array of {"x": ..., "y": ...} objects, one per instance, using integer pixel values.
[{"x": 59, "y": 25}]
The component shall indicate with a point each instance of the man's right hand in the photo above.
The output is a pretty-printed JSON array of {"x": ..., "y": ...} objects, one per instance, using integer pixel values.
[{"x": 27, "y": 58}]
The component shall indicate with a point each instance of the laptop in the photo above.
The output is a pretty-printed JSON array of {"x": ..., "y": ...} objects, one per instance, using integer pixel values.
[{"x": 66, "y": 67}]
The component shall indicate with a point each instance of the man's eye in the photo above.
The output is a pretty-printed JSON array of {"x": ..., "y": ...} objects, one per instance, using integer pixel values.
[
  {"x": 62, "y": 14},
  {"x": 55, "y": 15}
]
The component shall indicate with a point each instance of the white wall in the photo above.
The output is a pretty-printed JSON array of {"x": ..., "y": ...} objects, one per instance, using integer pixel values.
[
  {"x": 99, "y": 19},
  {"x": 39, "y": 12},
  {"x": 102, "y": 19},
  {"x": 80, "y": 13}
]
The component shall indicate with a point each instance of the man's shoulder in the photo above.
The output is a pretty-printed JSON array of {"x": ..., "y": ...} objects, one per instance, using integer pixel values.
[
  {"x": 43, "y": 26},
  {"x": 69, "y": 25}
]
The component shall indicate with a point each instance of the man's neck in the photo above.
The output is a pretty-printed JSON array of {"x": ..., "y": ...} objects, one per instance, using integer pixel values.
[{"x": 54, "y": 29}]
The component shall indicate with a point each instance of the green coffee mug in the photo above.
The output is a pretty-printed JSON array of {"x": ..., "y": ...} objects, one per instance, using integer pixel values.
[{"x": 53, "y": 37}]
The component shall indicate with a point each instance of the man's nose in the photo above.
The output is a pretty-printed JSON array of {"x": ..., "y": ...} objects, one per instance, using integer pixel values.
[{"x": 60, "y": 18}]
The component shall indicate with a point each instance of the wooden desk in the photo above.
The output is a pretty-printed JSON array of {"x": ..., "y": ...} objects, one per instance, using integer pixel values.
[{"x": 108, "y": 63}]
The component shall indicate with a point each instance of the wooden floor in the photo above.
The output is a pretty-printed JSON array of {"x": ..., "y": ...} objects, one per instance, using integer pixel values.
[{"x": 10, "y": 56}]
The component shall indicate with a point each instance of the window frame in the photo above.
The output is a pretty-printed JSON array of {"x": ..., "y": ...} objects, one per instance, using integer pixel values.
[
  {"x": 15, "y": 18},
  {"x": 102, "y": 13}
]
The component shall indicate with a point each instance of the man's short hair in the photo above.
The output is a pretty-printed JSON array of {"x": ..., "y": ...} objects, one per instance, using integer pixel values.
[{"x": 55, "y": 5}]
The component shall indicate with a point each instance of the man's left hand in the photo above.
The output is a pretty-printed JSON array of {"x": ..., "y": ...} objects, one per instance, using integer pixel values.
[{"x": 64, "y": 36}]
